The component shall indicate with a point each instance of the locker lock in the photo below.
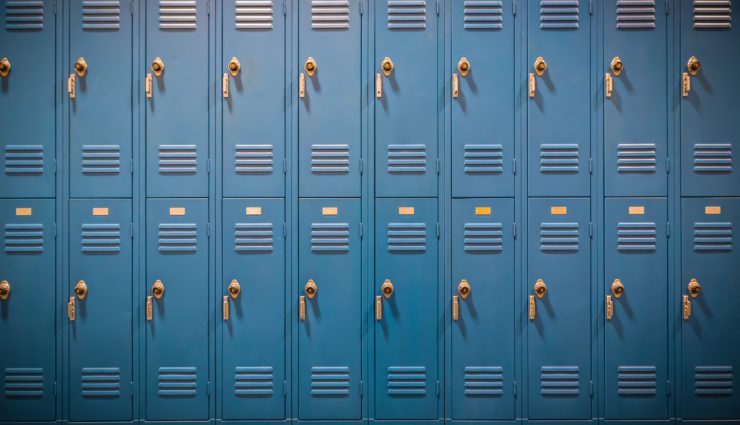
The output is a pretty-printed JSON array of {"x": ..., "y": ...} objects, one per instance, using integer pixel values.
[
  {"x": 81, "y": 290},
  {"x": 387, "y": 66},
  {"x": 310, "y": 66},
  {"x": 158, "y": 289},
  {"x": 617, "y": 66},
  {"x": 540, "y": 66},
  {"x": 234, "y": 66},
  {"x": 617, "y": 288},
  {"x": 694, "y": 288},
  {"x": 157, "y": 66},
  {"x": 463, "y": 66},
  {"x": 693, "y": 66},
  {"x": 4, "y": 67},
  {"x": 80, "y": 67},
  {"x": 234, "y": 289},
  {"x": 311, "y": 289},
  {"x": 540, "y": 289},
  {"x": 464, "y": 289},
  {"x": 4, "y": 290},
  {"x": 387, "y": 289}
]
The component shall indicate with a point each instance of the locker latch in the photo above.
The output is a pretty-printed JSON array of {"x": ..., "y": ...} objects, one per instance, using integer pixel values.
[
  {"x": 72, "y": 86},
  {"x": 310, "y": 67},
  {"x": 540, "y": 66},
  {"x": 616, "y": 67},
  {"x": 234, "y": 66},
  {"x": 157, "y": 66},
  {"x": 694, "y": 290},
  {"x": 80, "y": 67},
  {"x": 693, "y": 66},
  {"x": 4, "y": 67},
  {"x": 387, "y": 68},
  {"x": 234, "y": 290},
  {"x": 387, "y": 290},
  {"x": 463, "y": 67},
  {"x": 4, "y": 290},
  {"x": 81, "y": 290},
  {"x": 540, "y": 289}
]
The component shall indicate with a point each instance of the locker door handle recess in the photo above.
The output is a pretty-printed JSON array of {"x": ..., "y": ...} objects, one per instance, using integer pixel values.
[
  {"x": 387, "y": 68},
  {"x": 4, "y": 290},
  {"x": 540, "y": 66},
  {"x": 540, "y": 289},
  {"x": 694, "y": 290},
  {"x": 234, "y": 290},
  {"x": 387, "y": 290},
  {"x": 157, "y": 293}
]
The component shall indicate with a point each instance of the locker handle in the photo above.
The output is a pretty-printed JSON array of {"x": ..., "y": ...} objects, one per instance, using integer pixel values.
[
  {"x": 532, "y": 307},
  {"x": 81, "y": 290},
  {"x": 234, "y": 289},
  {"x": 531, "y": 85},
  {"x": 302, "y": 85},
  {"x": 455, "y": 308},
  {"x": 455, "y": 85},
  {"x": 72, "y": 86},
  {"x": 693, "y": 66},
  {"x": 694, "y": 288},
  {"x": 71, "y": 309},
  {"x": 540, "y": 66},
  {"x": 686, "y": 80},
  {"x": 617, "y": 288},
  {"x": 234, "y": 66},
  {"x": 225, "y": 85},
  {"x": 378, "y": 307},
  {"x": 149, "y": 308},
  {"x": 148, "y": 86},
  {"x": 686, "y": 307},
  {"x": 4, "y": 290},
  {"x": 302, "y": 307},
  {"x": 540, "y": 288},
  {"x": 387, "y": 66},
  {"x": 387, "y": 289},
  {"x": 609, "y": 307},
  {"x": 608, "y": 84},
  {"x": 310, "y": 66},
  {"x": 226, "y": 308},
  {"x": 158, "y": 289},
  {"x": 464, "y": 288},
  {"x": 616, "y": 65},
  {"x": 4, "y": 67},
  {"x": 463, "y": 66},
  {"x": 80, "y": 67},
  {"x": 378, "y": 86},
  {"x": 157, "y": 66}
]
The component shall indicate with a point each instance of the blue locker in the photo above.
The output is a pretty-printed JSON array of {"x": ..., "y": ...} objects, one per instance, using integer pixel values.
[
  {"x": 27, "y": 318},
  {"x": 100, "y": 60},
  {"x": 483, "y": 152},
  {"x": 559, "y": 103},
  {"x": 253, "y": 90},
  {"x": 407, "y": 94},
  {"x": 176, "y": 85},
  {"x": 253, "y": 309},
  {"x": 176, "y": 309},
  {"x": 709, "y": 108},
  {"x": 330, "y": 105},
  {"x": 636, "y": 308},
  {"x": 635, "y": 104},
  {"x": 329, "y": 302},
  {"x": 27, "y": 88},
  {"x": 406, "y": 321},
  {"x": 559, "y": 309},
  {"x": 100, "y": 289},
  {"x": 483, "y": 321},
  {"x": 710, "y": 336}
]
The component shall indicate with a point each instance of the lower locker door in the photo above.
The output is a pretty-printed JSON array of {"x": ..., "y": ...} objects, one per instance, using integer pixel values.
[
  {"x": 100, "y": 336},
  {"x": 27, "y": 325},
  {"x": 329, "y": 301},
  {"x": 710, "y": 332},
  {"x": 406, "y": 381},
  {"x": 559, "y": 331},
  {"x": 177, "y": 334},
  {"x": 636, "y": 324},
  {"x": 253, "y": 309},
  {"x": 482, "y": 309}
]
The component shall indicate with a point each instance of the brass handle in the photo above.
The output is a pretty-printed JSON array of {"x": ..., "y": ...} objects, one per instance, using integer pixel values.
[
  {"x": 81, "y": 290},
  {"x": 455, "y": 85},
  {"x": 225, "y": 85},
  {"x": 694, "y": 288},
  {"x": 302, "y": 307},
  {"x": 378, "y": 307},
  {"x": 4, "y": 290},
  {"x": 378, "y": 86},
  {"x": 234, "y": 288},
  {"x": 302, "y": 85},
  {"x": 234, "y": 66},
  {"x": 71, "y": 309},
  {"x": 686, "y": 307},
  {"x": 617, "y": 66},
  {"x": 4, "y": 67},
  {"x": 686, "y": 82},
  {"x": 80, "y": 67},
  {"x": 531, "y": 85},
  {"x": 463, "y": 66},
  {"x": 148, "y": 86},
  {"x": 387, "y": 66},
  {"x": 464, "y": 289},
  {"x": 72, "y": 86},
  {"x": 455, "y": 308},
  {"x": 540, "y": 66},
  {"x": 310, "y": 66},
  {"x": 608, "y": 84},
  {"x": 158, "y": 289},
  {"x": 157, "y": 66},
  {"x": 617, "y": 288},
  {"x": 311, "y": 289},
  {"x": 693, "y": 66},
  {"x": 609, "y": 307},
  {"x": 226, "y": 308},
  {"x": 532, "y": 307},
  {"x": 387, "y": 289},
  {"x": 540, "y": 288},
  {"x": 149, "y": 309}
]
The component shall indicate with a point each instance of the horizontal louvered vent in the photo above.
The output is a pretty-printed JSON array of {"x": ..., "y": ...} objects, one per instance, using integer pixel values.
[
  {"x": 178, "y": 14},
  {"x": 636, "y": 158},
  {"x": 253, "y": 381},
  {"x": 101, "y": 238},
  {"x": 636, "y": 381},
  {"x": 253, "y": 237},
  {"x": 407, "y": 14},
  {"x": 178, "y": 238},
  {"x": 710, "y": 237},
  {"x": 102, "y": 15},
  {"x": 635, "y": 14},
  {"x": 712, "y": 14},
  {"x": 407, "y": 159},
  {"x": 101, "y": 382},
  {"x": 559, "y": 14},
  {"x": 483, "y": 237},
  {"x": 330, "y": 237},
  {"x": 330, "y": 14},
  {"x": 407, "y": 381},
  {"x": 101, "y": 159},
  {"x": 485, "y": 381},
  {"x": 636, "y": 237},
  {"x": 560, "y": 381},
  {"x": 559, "y": 158},
  {"x": 24, "y": 159},
  {"x": 178, "y": 381},
  {"x": 253, "y": 159},
  {"x": 483, "y": 159},
  {"x": 483, "y": 15},
  {"x": 178, "y": 159},
  {"x": 714, "y": 381},
  {"x": 253, "y": 14},
  {"x": 407, "y": 237},
  {"x": 330, "y": 159},
  {"x": 24, "y": 382},
  {"x": 24, "y": 15},
  {"x": 713, "y": 158},
  {"x": 330, "y": 381},
  {"x": 24, "y": 238},
  {"x": 559, "y": 237}
]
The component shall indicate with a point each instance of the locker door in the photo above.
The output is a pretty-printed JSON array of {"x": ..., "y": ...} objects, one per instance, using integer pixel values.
[
  {"x": 636, "y": 282},
  {"x": 27, "y": 99},
  {"x": 330, "y": 323},
  {"x": 100, "y": 282},
  {"x": 406, "y": 322},
  {"x": 254, "y": 105},
  {"x": 177, "y": 334},
  {"x": 710, "y": 336},
  {"x": 635, "y": 113},
  {"x": 483, "y": 363},
  {"x": 407, "y": 99},
  {"x": 101, "y": 112},
  {"x": 483, "y": 111},
  {"x": 27, "y": 280},
  {"x": 559, "y": 335},
  {"x": 253, "y": 292},
  {"x": 559, "y": 104},
  {"x": 330, "y": 108},
  {"x": 177, "y": 105},
  {"x": 709, "y": 128}
]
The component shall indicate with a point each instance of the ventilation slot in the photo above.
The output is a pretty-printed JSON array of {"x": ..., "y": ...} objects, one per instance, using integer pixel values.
[
  {"x": 24, "y": 238},
  {"x": 559, "y": 14},
  {"x": 483, "y": 237},
  {"x": 636, "y": 237},
  {"x": 101, "y": 382},
  {"x": 101, "y": 159},
  {"x": 102, "y": 15},
  {"x": 329, "y": 237},
  {"x": 24, "y": 15},
  {"x": 484, "y": 381},
  {"x": 253, "y": 237},
  {"x": 330, "y": 381},
  {"x": 714, "y": 381},
  {"x": 559, "y": 237},
  {"x": 636, "y": 381},
  {"x": 330, "y": 159},
  {"x": 709, "y": 237},
  {"x": 712, "y": 14},
  {"x": 483, "y": 15},
  {"x": 484, "y": 159},
  {"x": 24, "y": 159},
  {"x": 713, "y": 158},
  {"x": 101, "y": 238},
  {"x": 560, "y": 380},
  {"x": 636, "y": 14},
  {"x": 636, "y": 158},
  {"x": 254, "y": 14},
  {"x": 405, "y": 159},
  {"x": 178, "y": 159},
  {"x": 407, "y": 237},
  {"x": 330, "y": 14},
  {"x": 178, "y": 381},
  {"x": 178, "y": 238},
  {"x": 407, "y": 14},
  {"x": 178, "y": 15},
  {"x": 24, "y": 382},
  {"x": 253, "y": 381},
  {"x": 559, "y": 158},
  {"x": 407, "y": 381},
  {"x": 253, "y": 159}
]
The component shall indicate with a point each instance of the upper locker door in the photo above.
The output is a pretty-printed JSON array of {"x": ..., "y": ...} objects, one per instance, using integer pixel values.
[
  {"x": 635, "y": 288},
  {"x": 710, "y": 146},
  {"x": 708, "y": 288},
  {"x": 27, "y": 319},
  {"x": 407, "y": 94},
  {"x": 101, "y": 107},
  {"x": 100, "y": 286},
  {"x": 27, "y": 89},
  {"x": 177, "y": 300},
  {"x": 177, "y": 85},
  {"x": 559, "y": 304},
  {"x": 253, "y": 309},
  {"x": 253, "y": 93},
  {"x": 559, "y": 107},
  {"x": 635, "y": 107},
  {"x": 406, "y": 321},
  {"x": 329, "y": 302},
  {"x": 482, "y": 98},
  {"x": 330, "y": 97},
  {"x": 483, "y": 322}
]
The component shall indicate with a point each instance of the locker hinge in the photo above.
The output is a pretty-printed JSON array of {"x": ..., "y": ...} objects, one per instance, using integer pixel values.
[
  {"x": 209, "y": 6},
  {"x": 668, "y": 165},
  {"x": 361, "y": 385},
  {"x": 285, "y": 230},
  {"x": 513, "y": 7},
  {"x": 668, "y": 229},
  {"x": 514, "y": 229},
  {"x": 131, "y": 389},
  {"x": 513, "y": 166},
  {"x": 438, "y": 7},
  {"x": 55, "y": 166},
  {"x": 437, "y": 165},
  {"x": 54, "y": 7},
  {"x": 55, "y": 383},
  {"x": 55, "y": 230},
  {"x": 361, "y": 231},
  {"x": 590, "y": 7},
  {"x": 591, "y": 388},
  {"x": 515, "y": 390},
  {"x": 131, "y": 163},
  {"x": 209, "y": 388},
  {"x": 668, "y": 388},
  {"x": 285, "y": 7},
  {"x": 590, "y": 230},
  {"x": 437, "y": 230},
  {"x": 285, "y": 383},
  {"x": 209, "y": 230},
  {"x": 285, "y": 166},
  {"x": 362, "y": 166},
  {"x": 133, "y": 7},
  {"x": 362, "y": 7},
  {"x": 437, "y": 388},
  {"x": 667, "y": 7},
  {"x": 209, "y": 165},
  {"x": 132, "y": 230},
  {"x": 590, "y": 165}
]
